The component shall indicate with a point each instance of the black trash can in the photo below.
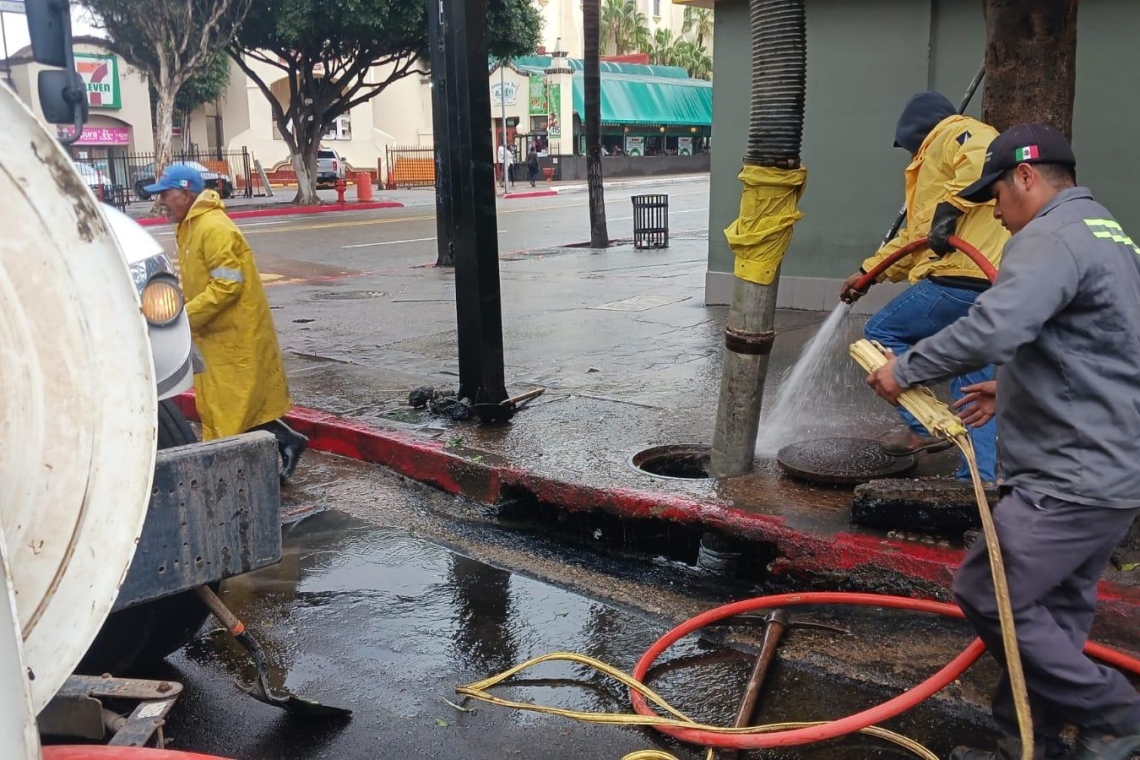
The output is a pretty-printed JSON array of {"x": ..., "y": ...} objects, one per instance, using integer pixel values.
[{"x": 650, "y": 221}]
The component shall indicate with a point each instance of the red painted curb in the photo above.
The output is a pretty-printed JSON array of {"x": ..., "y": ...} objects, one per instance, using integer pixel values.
[
  {"x": 846, "y": 560},
  {"x": 535, "y": 194},
  {"x": 152, "y": 221}
]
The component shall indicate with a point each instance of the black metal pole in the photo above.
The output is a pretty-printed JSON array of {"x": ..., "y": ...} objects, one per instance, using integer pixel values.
[
  {"x": 441, "y": 83},
  {"x": 465, "y": 189}
]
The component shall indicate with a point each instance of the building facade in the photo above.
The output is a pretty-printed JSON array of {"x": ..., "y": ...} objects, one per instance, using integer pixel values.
[
  {"x": 119, "y": 96},
  {"x": 865, "y": 58}
]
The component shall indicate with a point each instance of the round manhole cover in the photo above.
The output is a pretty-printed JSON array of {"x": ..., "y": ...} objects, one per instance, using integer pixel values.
[
  {"x": 840, "y": 461},
  {"x": 686, "y": 461},
  {"x": 348, "y": 295}
]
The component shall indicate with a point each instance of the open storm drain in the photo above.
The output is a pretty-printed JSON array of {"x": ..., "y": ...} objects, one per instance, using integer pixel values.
[
  {"x": 840, "y": 461},
  {"x": 688, "y": 461}
]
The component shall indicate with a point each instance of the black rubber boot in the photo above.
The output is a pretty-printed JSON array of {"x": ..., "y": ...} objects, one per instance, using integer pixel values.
[
  {"x": 290, "y": 443},
  {"x": 1105, "y": 747}
]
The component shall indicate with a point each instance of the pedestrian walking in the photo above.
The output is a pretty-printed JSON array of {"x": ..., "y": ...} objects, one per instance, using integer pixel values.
[
  {"x": 532, "y": 166},
  {"x": 509, "y": 166},
  {"x": 1063, "y": 325},
  {"x": 243, "y": 387},
  {"x": 948, "y": 151},
  {"x": 501, "y": 166}
]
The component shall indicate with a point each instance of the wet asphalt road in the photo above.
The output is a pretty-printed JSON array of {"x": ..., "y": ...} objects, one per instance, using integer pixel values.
[
  {"x": 308, "y": 248},
  {"x": 371, "y": 610}
]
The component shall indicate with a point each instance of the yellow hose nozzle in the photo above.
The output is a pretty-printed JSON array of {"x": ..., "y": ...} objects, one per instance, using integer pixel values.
[{"x": 934, "y": 415}]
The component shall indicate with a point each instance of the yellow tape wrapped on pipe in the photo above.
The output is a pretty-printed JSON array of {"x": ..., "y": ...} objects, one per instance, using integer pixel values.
[{"x": 761, "y": 234}]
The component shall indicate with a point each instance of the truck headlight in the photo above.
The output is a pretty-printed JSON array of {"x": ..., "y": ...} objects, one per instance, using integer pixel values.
[{"x": 161, "y": 301}]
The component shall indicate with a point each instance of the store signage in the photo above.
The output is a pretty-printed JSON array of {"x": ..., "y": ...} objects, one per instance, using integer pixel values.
[
  {"x": 634, "y": 146},
  {"x": 12, "y": 6},
  {"x": 684, "y": 146},
  {"x": 99, "y": 135},
  {"x": 504, "y": 93},
  {"x": 100, "y": 73}
]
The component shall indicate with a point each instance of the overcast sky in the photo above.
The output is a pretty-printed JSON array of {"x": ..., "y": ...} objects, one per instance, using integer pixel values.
[{"x": 16, "y": 27}]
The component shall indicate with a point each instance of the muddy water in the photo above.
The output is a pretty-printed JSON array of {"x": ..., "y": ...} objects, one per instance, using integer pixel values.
[{"x": 377, "y": 620}]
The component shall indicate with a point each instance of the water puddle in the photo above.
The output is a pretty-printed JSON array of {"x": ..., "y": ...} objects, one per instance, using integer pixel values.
[{"x": 375, "y": 619}]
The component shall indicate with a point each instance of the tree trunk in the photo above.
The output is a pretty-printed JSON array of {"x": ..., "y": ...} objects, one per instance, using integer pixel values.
[
  {"x": 599, "y": 236},
  {"x": 1031, "y": 63},
  {"x": 306, "y": 181},
  {"x": 163, "y": 133},
  {"x": 304, "y": 161}
]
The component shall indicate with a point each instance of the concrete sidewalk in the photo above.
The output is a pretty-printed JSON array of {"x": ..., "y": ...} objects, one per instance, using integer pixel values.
[{"x": 630, "y": 357}]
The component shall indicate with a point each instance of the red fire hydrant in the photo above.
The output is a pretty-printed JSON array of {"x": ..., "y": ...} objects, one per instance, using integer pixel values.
[{"x": 341, "y": 186}]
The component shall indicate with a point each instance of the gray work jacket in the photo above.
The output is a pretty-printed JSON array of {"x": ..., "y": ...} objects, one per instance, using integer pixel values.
[{"x": 1063, "y": 324}]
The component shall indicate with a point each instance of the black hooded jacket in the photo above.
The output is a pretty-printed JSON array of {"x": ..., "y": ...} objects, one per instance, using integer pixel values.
[{"x": 920, "y": 115}]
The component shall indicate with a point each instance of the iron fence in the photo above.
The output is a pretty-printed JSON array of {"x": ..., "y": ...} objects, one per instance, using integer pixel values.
[
  {"x": 119, "y": 178},
  {"x": 411, "y": 166}
]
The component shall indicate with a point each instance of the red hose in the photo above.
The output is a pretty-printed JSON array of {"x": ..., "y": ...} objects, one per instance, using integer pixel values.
[
  {"x": 973, "y": 253},
  {"x": 851, "y": 723},
  {"x": 94, "y": 752}
]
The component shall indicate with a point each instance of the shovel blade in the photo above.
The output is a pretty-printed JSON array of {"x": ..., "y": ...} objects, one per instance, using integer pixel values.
[{"x": 293, "y": 704}]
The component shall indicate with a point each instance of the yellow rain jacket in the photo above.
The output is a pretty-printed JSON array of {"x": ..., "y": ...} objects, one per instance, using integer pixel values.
[
  {"x": 244, "y": 383},
  {"x": 949, "y": 160}
]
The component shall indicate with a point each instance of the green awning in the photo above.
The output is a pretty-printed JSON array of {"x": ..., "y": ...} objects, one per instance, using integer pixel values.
[
  {"x": 540, "y": 63},
  {"x": 663, "y": 101}
]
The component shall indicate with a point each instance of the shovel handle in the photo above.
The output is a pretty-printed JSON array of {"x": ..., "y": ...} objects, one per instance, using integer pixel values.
[
  {"x": 524, "y": 397},
  {"x": 219, "y": 610}
]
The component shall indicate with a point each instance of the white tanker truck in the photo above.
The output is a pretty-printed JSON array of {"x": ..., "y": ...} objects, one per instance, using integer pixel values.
[{"x": 104, "y": 541}]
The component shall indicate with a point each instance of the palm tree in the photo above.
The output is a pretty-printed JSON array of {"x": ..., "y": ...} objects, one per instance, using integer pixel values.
[
  {"x": 626, "y": 25},
  {"x": 612, "y": 21},
  {"x": 698, "y": 21},
  {"x": 693, "y": 59},
  {"x": 664, "y": 49},
  {"x": 592, "y": 81}
]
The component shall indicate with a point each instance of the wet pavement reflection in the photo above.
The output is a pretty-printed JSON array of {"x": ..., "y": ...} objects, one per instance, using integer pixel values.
[{"x": 375, "y": 619}]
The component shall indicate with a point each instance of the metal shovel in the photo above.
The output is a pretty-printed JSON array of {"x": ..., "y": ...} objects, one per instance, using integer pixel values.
[
  {"x": 260, "y": 689},
  {"x": 504, "y": 410}
]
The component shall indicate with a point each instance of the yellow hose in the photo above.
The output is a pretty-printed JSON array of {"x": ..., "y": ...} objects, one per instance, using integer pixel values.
[
  {"x": 479, "y": 691},
  {"x": 936, "y": 417}
]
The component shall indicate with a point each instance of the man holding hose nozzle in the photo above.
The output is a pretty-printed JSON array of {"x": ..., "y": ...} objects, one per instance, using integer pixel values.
[
  {"x": 948, "y": 151},
  {"x": 1063, "y": 324}
]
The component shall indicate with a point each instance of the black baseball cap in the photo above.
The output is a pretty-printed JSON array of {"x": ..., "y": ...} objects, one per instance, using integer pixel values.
[{"x": 1021, "y": 144}]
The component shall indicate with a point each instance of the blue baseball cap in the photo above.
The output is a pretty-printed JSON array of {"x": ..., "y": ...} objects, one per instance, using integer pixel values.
[{"x": 178, "y": 177}]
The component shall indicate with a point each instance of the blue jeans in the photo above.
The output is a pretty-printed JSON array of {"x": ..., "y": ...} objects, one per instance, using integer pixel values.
[{"x": 919, "y": 312}]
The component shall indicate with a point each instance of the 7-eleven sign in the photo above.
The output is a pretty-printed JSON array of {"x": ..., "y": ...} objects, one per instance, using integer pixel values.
[{"x": 100, "y": 73}]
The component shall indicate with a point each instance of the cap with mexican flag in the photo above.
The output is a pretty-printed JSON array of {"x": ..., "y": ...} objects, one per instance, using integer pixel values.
[
  {"x": 1022, "y": 144},
  {"x": 1028, "y": 153}
]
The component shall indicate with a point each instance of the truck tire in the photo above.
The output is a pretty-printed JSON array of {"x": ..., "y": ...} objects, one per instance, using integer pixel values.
[{"x": 140, "y": 636}]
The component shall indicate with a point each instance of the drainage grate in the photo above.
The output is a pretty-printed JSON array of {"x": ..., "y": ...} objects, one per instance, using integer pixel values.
[
  {"x": 685, "y": 461},
  {"x": 840, "y": 461},
  {"x": 348, "y": 295}
]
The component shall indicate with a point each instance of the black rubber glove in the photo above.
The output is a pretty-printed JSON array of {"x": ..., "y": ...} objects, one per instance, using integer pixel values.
[{"x": 945, "y": 224}]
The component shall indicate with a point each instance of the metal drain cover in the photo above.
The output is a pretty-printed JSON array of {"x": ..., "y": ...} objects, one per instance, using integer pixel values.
[{"x": 840, "y": 461}]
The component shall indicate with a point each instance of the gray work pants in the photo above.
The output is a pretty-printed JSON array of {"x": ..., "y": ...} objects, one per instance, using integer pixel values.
[{"x": 1054, "y": 553}]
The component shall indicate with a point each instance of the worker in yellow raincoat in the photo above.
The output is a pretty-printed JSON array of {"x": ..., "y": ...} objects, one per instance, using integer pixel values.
[
  {"x": 243, "y": 387},
  {"x": 948, "y": 152}
]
